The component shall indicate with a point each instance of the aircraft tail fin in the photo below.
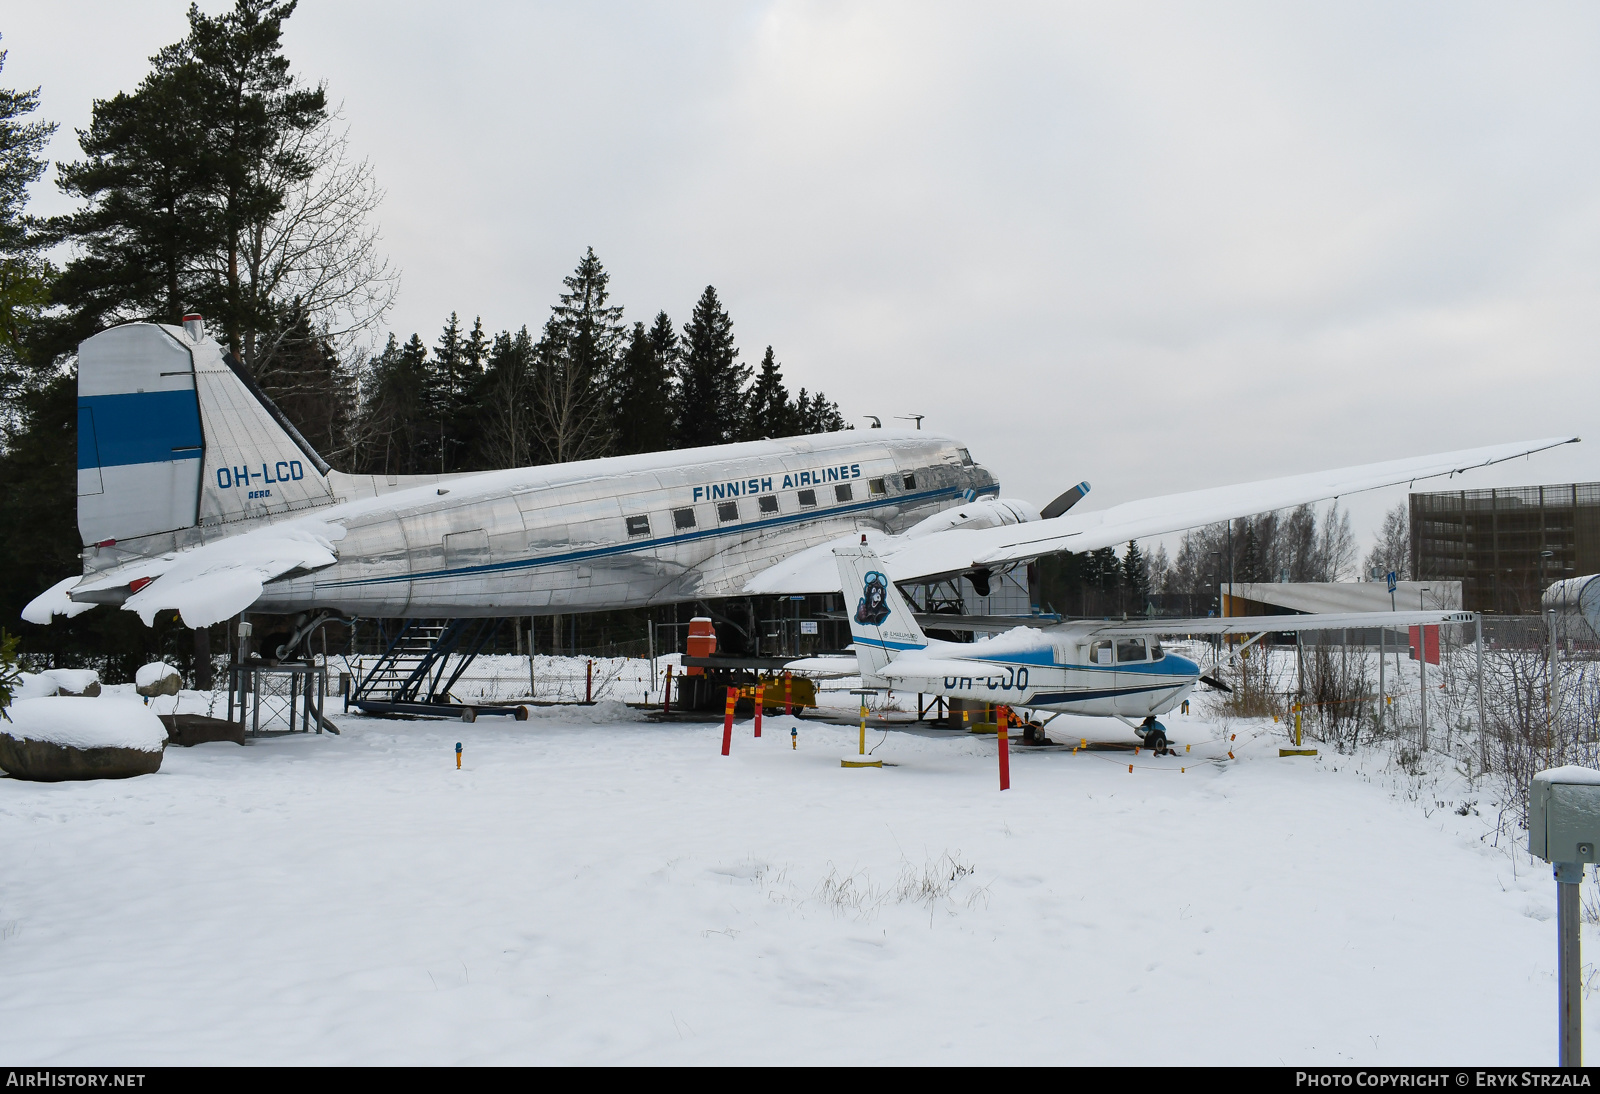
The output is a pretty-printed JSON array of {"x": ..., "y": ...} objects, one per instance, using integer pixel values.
[
  {"x": 174, "y": 434},
  {"x": 881, "y": 622}
]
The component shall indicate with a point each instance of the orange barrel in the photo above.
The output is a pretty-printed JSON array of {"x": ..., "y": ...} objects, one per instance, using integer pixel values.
[{"x": 702, "y": 641}]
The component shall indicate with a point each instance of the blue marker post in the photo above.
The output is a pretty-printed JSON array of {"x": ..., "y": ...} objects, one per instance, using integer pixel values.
[
  {"x": 458, "y": 755},
  {"x": 794, "y": 738}
]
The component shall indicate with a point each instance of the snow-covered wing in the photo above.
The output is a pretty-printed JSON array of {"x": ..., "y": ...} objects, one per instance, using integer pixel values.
[
  {"x": 963, "y": 549},
  {"x": 222, "y": 579},
  {"x": 53, "y": 602}
]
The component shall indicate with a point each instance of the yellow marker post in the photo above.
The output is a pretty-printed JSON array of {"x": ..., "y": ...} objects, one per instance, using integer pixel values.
[
  {"x": 458, "y": 755},
  {"x": 861, "y": 759}
]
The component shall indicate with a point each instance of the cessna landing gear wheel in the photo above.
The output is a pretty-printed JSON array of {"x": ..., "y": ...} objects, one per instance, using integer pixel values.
[{"x": 1156, "y": 741}]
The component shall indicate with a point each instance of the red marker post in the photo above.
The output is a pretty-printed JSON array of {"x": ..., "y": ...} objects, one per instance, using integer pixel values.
[
  {"x": 761, "y": 689},
  {"x": 666, "y": 693},
  {"x": 788, "y": 693},
  {"x": 1002, "y": 716},
  {"x": 588, "y": 682},
  {"x": 727, "y": 721}
]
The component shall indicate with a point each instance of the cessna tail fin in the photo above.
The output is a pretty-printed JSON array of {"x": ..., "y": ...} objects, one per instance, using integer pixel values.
[
  {"x": 173, "y": 434},
  {"x": 881, "y": 622}
]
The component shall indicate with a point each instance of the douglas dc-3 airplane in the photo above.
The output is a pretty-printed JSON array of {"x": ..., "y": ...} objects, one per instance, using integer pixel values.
[
  {"x": 1105, "y": 669},
  {"x": 196, "y": 495}
]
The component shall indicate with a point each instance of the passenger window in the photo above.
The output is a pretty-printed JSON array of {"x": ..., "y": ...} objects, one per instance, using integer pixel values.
[
  {"x": 1130, "y": 649},
  {"x": 842, "y": 492},
  {"x": 875, "y": 487},
  {"x": 1100, "y": 652},
  {"x": 909, "y": 482},
  {"x": 683, "y": 518},
  {"x": 808, "y": 497},
  {"x": 769, "y": 503},
  {"x": 1156, "y": 652},
  {"x": 727, "y": 510},
  {"x": 638, "y": 526}
]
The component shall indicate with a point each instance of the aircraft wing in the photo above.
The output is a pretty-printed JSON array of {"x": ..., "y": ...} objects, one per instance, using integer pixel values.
[
  {"x": 1257, "y": 624},
  {"x": 961, "y": 550},
  {"x": 205, "y": 585}
]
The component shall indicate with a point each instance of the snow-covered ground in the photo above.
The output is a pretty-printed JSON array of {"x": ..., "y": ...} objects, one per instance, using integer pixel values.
[{"x": 593, "y": 887}]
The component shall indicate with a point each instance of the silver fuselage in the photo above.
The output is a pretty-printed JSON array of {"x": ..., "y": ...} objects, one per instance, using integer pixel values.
[{"x": 622, "y": 532}]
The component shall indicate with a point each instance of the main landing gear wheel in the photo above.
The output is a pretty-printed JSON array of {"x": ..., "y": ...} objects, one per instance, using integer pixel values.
[{"x": 1155, "y": 737}]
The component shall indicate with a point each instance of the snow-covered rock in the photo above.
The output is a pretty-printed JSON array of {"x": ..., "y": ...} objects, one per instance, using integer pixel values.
[
  {"x": 157, "y": 678},
  {"x": 75, "y": 681},
  {"x": 59, "y": 737},
  {"x": 34, "y": 685}
]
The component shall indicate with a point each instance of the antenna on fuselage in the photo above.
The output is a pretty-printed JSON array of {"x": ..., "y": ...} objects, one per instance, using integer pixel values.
[
  {"x": 911, "y": 418},
  {"x": 877, "y": 422}
]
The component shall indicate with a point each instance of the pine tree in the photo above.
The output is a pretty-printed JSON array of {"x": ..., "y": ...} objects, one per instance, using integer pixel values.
[
  {"x": 24, "y": 273},
  {"x": 179, "y": 172},
  {"x": 642, "y": 391},
  {"x": 772, "y": 413},
  {"x": 711, "y": 381}
]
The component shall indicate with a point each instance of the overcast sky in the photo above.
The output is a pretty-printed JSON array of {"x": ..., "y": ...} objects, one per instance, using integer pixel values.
[{"x": 1158, "y": 247}]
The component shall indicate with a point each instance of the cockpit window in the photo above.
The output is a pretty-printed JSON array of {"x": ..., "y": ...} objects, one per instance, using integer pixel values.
[
  {"x": 1130, "y": 649},
  {"x": 1156, "y": 652},
  {"x": 966, "y": 457},
  {"x": 1100, "y": 652}
]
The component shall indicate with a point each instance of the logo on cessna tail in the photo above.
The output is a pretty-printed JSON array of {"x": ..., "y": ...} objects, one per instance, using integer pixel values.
[{"x": 873, "y": 607}]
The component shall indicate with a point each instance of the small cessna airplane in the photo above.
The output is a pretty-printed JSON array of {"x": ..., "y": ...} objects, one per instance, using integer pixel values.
[
  {"x": 196, "y": 495},
  {"x": 1105, "y": 669}
]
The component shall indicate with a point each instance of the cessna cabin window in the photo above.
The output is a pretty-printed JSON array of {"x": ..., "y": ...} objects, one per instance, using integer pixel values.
[
  {"x": 768, "y": 503},
  {"x": 638, "y": 526},
  {"x": 683, "y": 518},
  {"x": 1130, "y": 649},
  {"x": 875, "y": 487},
  {"x": 808, "y": 497},
  {"x": 909, "y": 482},
  {"x": 1156, "y": 652},
  {"x": 727, "y": 510},
  {"x": 842, "y": 492},
  {"x": 1100, "y": 652}
]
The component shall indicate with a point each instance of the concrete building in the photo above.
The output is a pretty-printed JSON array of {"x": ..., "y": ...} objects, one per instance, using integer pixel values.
[{"x": 1505, "y": 546}]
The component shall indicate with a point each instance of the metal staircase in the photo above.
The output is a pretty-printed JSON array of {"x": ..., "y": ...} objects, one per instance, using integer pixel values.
[{"x": 409, "y": 678}]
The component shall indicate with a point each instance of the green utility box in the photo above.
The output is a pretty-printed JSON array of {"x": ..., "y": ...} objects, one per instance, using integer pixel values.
[{"x": 1564, "y": 815}]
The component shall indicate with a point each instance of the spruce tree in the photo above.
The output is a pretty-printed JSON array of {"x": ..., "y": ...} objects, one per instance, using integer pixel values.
[
  {"x": 817, "y": 414},
  {"x": 772, "y": 414},
  {"x": 711, "y": 381},
  {"x": 576, "y": 357},
  {"x": 642, "y": 393},
  {"x": 1136, "y": 575},
  {"x": 503, "y": 426}
]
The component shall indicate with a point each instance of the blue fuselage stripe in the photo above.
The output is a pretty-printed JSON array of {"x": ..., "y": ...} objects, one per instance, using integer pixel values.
[
  {"x": 139, "y": 427},
  {"x": 643, "y": 545}
]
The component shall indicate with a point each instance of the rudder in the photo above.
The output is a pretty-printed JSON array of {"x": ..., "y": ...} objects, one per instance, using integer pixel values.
[{"x": 881, "y": 622}]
